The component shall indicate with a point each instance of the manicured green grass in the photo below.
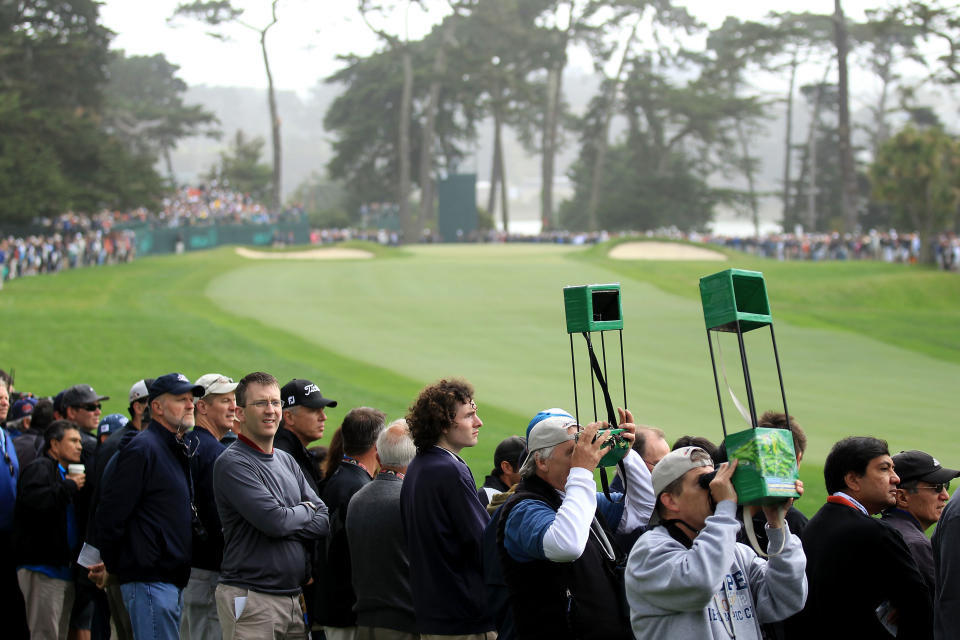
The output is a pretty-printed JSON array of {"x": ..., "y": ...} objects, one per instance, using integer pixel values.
[{"x": 372, "y": 332}]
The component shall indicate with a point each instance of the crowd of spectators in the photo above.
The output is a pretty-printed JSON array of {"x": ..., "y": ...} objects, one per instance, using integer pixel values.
[{"x": 203, "y": 515}]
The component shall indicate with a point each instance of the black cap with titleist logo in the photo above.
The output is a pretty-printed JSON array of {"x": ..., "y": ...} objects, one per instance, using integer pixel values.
[
  {"x": 919, "y": 465},
  {"x": 303, "y": 393}
]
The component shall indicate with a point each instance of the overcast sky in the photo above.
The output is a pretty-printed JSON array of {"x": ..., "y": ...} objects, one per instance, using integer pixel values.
[{"x": 310, "y": 34}]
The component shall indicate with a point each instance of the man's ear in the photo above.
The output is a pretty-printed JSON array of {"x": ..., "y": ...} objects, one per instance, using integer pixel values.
[
  {"x": 852, "y": 480},
  {"x": 902, "y": 498},
  {"x": 669, "y": 501},
  {"x": 506, "y": 467}
]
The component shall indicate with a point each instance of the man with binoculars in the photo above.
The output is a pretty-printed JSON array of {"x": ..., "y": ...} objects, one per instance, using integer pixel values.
[
  {"x": 688, "y": 577},
  {"x": 554, "y": 534}
]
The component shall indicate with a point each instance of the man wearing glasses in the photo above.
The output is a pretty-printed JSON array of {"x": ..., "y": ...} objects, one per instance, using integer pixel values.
[
  {"x": 145, "y": 519},
  {"x": 270, "y": 518},
  {"x": 921, "y": 496}
]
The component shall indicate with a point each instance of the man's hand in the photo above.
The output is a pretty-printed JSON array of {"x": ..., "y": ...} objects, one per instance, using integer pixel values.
[
  {"x": 626, "y": 423},
  {"x": 98, "y": 575},
  {"x": 78, "y": 478},
  {"x": 773, "y": 518},
  {"x": 721, "y": 487},
  {"x": 588, "y": 449}
]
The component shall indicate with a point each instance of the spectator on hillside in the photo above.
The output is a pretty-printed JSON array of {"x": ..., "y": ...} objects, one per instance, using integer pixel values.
[
  {"x": 842, "y": 540},
  {"x": 922, "y": 494},
  {"x": 380, "y": 569},
  {"x": 139, "y": 397},
  {"x": 15, "y": 614},
  {"x": 688, "y": 577},
  {"x": 270, "y": 516},
  {"x": 946, "y": 562},
  {"x": 304, "y": 419},
  {"x": 214, "y": 412},
  {"x": 336, "y": 598},
  {"x": 506, "y": 468},
  {"x": 555, "y": 534},
  {"x": 442, "y": 517},
  {"x": 698, "y": 441},
  {"x": 145, "y": 520},
  {"x": 46, "y": 533},
  {"x": 29, "y": 444}
]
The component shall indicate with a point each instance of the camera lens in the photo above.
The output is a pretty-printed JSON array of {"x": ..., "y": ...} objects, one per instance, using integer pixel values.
[{"x": 705, "y": 479}]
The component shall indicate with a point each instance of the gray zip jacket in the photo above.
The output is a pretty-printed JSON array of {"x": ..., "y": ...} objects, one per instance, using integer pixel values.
[
  {"x": 267, "y": 527},
  {"x": 718, "y": 588}
]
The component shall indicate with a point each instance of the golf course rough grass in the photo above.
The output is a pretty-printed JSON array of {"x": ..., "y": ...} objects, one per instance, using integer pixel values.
[{"x": 373, "y": 332}]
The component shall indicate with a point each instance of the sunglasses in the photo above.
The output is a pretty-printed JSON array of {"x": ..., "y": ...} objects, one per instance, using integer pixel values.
[
  {"x": 89, "y": 407},
  {"x": 937, "y": 488},
  {"x": 9, "y": 462}
]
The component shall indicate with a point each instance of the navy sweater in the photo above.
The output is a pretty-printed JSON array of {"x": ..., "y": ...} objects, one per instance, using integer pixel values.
[
  {"x": 143, "y": 519},
  {"x": 443, "y": 521}
]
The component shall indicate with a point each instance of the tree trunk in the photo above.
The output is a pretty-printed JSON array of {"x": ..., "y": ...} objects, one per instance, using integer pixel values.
[
  {"x": 427, "y": 183},
  {"x": 601, "y": 143},
  {"x": 849, "y": 198},
  {"x": 495, "y": 169},
  {"x": 751, "y": 181},
  {"x": 882, "y": 132},
  {"x": 788, "y": 154},
  {"x": 169, "y": 162},
  {"x": 407, "y": 224},
  {"x": 812, "y": 159},
  {"x": 549, "y": 152},
  {"x": 502, "y": 166},
  {"x": 274, "y": 126}
]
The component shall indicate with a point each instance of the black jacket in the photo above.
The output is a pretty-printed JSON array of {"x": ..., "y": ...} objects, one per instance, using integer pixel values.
[
  {"x": 579, "y": 599},
  {"x": 144, "y": 516},
  {"x": 205, "y": 449},
  {"x": 40, "y": 515},
  {"x": 855, "y": 563},
  {"x": 286, "y": 440},
  {"x": 335, "y": 591}
]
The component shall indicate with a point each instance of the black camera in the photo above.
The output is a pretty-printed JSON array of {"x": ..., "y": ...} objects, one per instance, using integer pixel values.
[{"x": 705, "y": 479}]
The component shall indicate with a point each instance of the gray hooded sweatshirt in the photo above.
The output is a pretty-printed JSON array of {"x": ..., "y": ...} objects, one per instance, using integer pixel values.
[{"x": 718, "y": 588}]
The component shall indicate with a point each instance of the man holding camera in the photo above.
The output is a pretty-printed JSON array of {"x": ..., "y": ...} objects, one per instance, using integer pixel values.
[
  {"x": 716, "y": 588},
  {"x": 554, "y": 534}
]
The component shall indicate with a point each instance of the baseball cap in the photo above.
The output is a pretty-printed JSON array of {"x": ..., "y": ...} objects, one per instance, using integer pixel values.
[
  {"x": 511, "y": 450},
  {"x": 918, "y": 465},
  {"x": 140, "y": 389},
  {"x": 547, "y": 429},
  {"x": 174, "y": 383},
  {"x": 213, "y": 383},
  {"x": 303, "y": 393},
  {"x": 80, "y": 394},
  {"x": 22, "y": 407},
  {"x": 672, "y": 466},
  {"x": 112, "y": 423}
]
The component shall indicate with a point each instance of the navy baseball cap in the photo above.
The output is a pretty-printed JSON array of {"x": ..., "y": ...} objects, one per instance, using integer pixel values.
[
  {"x": 175, "y": 384},
  {"x": 80, "y": 394},
  {"x": 112, "y": 423}
]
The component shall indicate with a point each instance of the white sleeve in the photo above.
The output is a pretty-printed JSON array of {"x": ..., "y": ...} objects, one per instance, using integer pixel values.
[
  {"x": 566, "y": 538},
  {"x": 639, "y": 500}
]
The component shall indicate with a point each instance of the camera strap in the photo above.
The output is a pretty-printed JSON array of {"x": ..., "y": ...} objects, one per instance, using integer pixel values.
[{"x": 611, "y": 419}]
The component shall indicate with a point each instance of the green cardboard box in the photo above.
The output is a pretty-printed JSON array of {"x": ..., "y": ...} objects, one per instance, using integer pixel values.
[
  {"x": 735, "y": 296},
  {"x": 592, "y": 307},
  {"x": 767, "y": 468}
]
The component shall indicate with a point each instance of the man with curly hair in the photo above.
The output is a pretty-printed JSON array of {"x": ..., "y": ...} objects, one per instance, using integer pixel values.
[{"x": 442, "y": 515}]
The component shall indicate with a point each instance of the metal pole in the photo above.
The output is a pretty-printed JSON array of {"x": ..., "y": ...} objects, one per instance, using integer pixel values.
[
  {"x": 593, "y": 378},
  {"x": 573, "y": 366},
  {"x": 716, "y": 383},
  {"x": 623, "y": 373},
  {"x": 776, "y": 356},
  {"x": 746, "y": 377}
]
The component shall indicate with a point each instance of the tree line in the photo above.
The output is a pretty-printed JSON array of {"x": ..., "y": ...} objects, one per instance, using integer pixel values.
[{"x": 670, "y": 134}]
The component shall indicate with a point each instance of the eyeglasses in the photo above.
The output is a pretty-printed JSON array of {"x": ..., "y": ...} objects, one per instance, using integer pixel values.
[
  {"x": 94, "y": 406},
  {"x": 263, "y": 404},
  {"x": 9, "y": 462},
  {"x": 937, "y": 488}
]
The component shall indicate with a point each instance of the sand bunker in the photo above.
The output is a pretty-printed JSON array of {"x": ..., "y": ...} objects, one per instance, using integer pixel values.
[
  {"x": 662, "y": 251},
  {"x": 333, "y": 253}
]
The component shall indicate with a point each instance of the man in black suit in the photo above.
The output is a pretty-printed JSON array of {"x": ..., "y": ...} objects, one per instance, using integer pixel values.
[{"x": 864, "y": 583}]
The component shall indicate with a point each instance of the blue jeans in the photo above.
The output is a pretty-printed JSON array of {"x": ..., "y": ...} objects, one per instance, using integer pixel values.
[{"x": 154, "y": 608}]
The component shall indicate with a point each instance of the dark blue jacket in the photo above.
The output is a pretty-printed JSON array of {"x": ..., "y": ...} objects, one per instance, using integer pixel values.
[
  {"x": 443, "y": 521},
  {"x": 143, "y": 519},
  {"x": 205, "y": 449}
]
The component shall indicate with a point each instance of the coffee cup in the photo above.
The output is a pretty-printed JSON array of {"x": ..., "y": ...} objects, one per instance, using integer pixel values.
[{"x": 75, "y": 469}]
